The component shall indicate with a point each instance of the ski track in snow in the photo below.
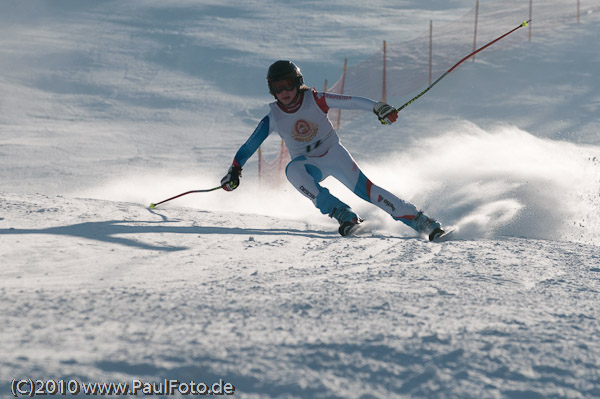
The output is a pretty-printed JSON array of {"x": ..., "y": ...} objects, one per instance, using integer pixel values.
[{"x": 371, "y": 316}]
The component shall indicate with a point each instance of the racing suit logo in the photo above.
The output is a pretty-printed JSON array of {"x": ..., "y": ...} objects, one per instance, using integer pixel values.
[
  {"x": 386, "y": 202},
  {"x": 304, "y": 131}
]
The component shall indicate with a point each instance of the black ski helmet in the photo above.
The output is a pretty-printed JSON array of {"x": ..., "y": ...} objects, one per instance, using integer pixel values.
[{"x": 284, "y": 69}]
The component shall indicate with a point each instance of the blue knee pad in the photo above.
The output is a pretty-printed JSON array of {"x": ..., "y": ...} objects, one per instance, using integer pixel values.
[{"x": 325, "y": 201}]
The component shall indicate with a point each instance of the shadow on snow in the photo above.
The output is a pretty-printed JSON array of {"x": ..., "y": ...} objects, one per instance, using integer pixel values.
[{"x": 112, "y": 231}]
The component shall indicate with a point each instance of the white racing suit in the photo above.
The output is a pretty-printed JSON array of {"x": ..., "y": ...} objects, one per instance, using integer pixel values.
[{"x": 317, "y": 153}]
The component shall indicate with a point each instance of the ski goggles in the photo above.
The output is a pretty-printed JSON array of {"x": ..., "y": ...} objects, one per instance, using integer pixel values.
[{"x": 281, "y": 85}]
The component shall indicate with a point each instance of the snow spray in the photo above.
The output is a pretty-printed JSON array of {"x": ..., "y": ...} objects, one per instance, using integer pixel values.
[{"x": 502, "y": 182}]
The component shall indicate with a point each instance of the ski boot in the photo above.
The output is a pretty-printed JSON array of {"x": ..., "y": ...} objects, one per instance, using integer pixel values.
[
  {"x": 428, "y": 226},
  {"x": 347, "y": 218}
]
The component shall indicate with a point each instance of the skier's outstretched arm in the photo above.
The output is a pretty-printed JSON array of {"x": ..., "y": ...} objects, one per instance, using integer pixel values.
[
  {"x": 231, "y": 180},
  {"x": 385, "y": 112}
]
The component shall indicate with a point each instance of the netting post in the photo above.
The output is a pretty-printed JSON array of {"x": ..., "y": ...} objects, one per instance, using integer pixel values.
[
  {"x": 383, "y": 88},
  {"x": 475, "y": 33},
  {"x": 259, "y": 166},
  {"x": 281, "y": 166},
  {"x": 339, "y": 115},
  {"x": 530, "y": 17},
  {"x": 430, "y": 51},
  {"x": 325, "y": 85}
]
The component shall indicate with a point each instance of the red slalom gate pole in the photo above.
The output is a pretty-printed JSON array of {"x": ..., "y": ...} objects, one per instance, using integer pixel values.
[
  {"x": 460, "y": 62},
  {"x": 153, "y": 205}
]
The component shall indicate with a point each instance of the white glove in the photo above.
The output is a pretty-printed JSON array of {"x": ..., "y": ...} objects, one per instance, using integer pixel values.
[{"x": 385, "y": 112}]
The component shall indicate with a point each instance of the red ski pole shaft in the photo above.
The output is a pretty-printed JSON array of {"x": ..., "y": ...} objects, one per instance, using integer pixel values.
[
  {"x": 460, "y": 62},
  {"x": 153, "y": 205}
]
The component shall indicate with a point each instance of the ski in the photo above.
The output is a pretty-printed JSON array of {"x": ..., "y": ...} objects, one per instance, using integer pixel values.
[
  {"x": 350, "y": 228},
  {"x": 445, "y": 236}
]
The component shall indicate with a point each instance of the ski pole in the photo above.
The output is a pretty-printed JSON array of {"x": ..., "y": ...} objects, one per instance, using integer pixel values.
[
  {"x": 460, "y": 62},
  {"x": 153, "y": 205}
]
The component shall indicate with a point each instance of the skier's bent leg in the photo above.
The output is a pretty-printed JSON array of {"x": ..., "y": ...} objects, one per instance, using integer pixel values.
[
  {"x": 399, "y": 209},
  {"x": 345, "y": 169},
  {"x": 305, "y": 177}
]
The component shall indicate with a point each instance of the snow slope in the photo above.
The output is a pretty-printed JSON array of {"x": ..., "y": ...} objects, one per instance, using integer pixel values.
[
  {"x": 110, "y": 291},
  {"x": 111, "y": 106}
]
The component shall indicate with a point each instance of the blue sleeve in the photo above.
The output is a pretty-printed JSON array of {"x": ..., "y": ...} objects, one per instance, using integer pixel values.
[{"x": 254, "y": 141}]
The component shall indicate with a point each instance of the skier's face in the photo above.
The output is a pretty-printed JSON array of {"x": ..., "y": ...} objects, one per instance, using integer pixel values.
[
  {"x": 285, "y": 91},
  {"x": 287, "y": 97}
]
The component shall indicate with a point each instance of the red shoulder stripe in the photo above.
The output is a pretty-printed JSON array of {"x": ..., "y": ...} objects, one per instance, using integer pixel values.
[{"x": 320, "y": 100}]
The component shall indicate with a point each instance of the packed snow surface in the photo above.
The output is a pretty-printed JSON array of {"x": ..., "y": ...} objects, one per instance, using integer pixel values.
[{"x": 108, "y": 106}]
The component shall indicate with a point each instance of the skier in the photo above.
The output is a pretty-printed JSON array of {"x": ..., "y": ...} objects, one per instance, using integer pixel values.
[{"x": 299, "y": 116}]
